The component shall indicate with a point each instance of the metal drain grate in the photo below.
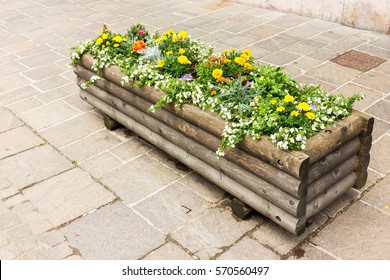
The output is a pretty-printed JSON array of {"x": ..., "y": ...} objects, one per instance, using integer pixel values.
[{"x": 358, "y": 60}]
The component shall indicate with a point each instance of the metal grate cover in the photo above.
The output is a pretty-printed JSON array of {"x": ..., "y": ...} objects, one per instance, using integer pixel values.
[{"x": 358, "y": 60}]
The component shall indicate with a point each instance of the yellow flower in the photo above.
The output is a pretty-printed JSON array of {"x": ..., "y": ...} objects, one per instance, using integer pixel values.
[
  {"x": 182, "y": 51},
  {"x": 294, "y": 113},
  {"x": 182, "y": 34},
  {"x": 104, "y": 36},
  {"x": 248, "y": 66},
  {"x": 280, "y": 109},
  {"x": 118, "y": 39},
  {"x": 108, "y": 43},
  {"x": 273, "y": 101},
  {"x": 169, "y": 32},
  {"x": 169, "y": 52},
  {"x": 217, "y": 73},
  {"x": 239, "y": 60},
  {"x": 163, "y": 38},
  {"x": 310, "y": 115},
  {"x": 303, "y": 106},
  {"x": 160, "y": 63},
  {"x": 247, "y": 52},
  {"x": 174, "y": 38},
  {"x": 288, "y": 98},
  {"x": 99, "y": 41},
  {"x": 157, "y": 40},
  {"x": 227, "y": 61},
  {"x": 214, "y": 92},
  {"x": 116, "y": 45},
  {"x": 183, "y": 60},
  {"x": 244, "y": 56},
  {"x": 224, "y": 52}
]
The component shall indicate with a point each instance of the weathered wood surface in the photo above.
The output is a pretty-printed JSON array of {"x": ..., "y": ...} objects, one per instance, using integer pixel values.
[
  {"x": 240, "y": 209},
  {"x": 338, "y": 156},
  {"x": 268, "y": 191},
  {"x": 320, "y": 202},
  {"x": 294, "y": 163},
  {"x": 332, "y": 177},
  {"x": 266, "y": 171},
  {"x": 279, "y": 216}
]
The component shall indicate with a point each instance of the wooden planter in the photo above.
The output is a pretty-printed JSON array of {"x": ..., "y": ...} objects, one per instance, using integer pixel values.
[{"x": 286, "y": 186}]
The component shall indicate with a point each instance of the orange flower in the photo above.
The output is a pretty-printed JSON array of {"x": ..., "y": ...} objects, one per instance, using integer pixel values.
[{"x": 139, "y": 46}]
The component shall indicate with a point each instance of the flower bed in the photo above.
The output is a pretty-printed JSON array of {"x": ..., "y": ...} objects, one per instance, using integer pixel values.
[{"x": 225, "y": 103}]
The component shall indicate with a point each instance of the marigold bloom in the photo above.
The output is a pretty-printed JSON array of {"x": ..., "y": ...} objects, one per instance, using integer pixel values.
[
  {"x": 247, "y": 52},
  {"x": 239, "y": 60},
  {"x": 160, "y": 63},
  {"x": 280, "y": 109},
  {"x": 182, "y": 34},
  {"x": 182, "y": 51},
  {"x": 244, "y": 56},
  {"x": 310, "y": 115},
  {"x": 303, "y": 106},
  {"x": 248, "y": 66},
  {"x": 139, "y": 46},
  {"x": 183, "y": 60},
  {"x": 163, "y": 38},
  {"x": 169, "y": 32},
  {"x": 227, "y": 61},
  {"x": 105, "y": 36},
  {"x": 169, "y": 52},
  {"x": 118, "y": 39},
  {"x": 217, "y": 73},
  {"x": 294, "y": 113},
  {"x": 288, "y": 98},
  {"x": 214, "y": 92},
  {"x": 174, "y": 38},
  {"x": 99, "y": 41},
  {"x": 273, "y": 101}
]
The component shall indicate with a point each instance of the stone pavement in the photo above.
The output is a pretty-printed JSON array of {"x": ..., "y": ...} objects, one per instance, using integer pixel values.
[{"x": 70, "y": 189}]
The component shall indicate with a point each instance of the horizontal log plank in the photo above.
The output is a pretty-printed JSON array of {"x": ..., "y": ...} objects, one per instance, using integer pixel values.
[
  {"x": 268, "y": 191},
  {"x": 329, "y": 179},
  {"x": 255, "y": 201},
  {"x": 333, "y": 137},
  {"x": 320, "y": 202},
  {"x": 333, "y": 159}
]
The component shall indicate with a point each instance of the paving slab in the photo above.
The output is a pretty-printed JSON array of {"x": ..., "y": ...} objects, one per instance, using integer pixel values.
[
  {"x": 47, "y": 115},
  {"x": 73, "y": 130},
  {"x": 375, "y": 80},
  {"x": 379, "y": 195},
  {"x": 381, "y": 110},
  {"x": 333, "y": 73},
  {"x": 101, "y": 164},
  {"x": 169, "y": 251},
  {"x": 8, "y": 120},
  {"x": 128, "y": 181},
  {"x": 33, "y": 166},
  {"x": 172, "y": 207},
  {"x": 248, "y": 249},
  {"x": 208, "y": 234},
  {"x": 379, "y": 162},
  {"x": 311, "y": 252},
  {"x": 67, "y": 196},
  {"x": 91, "y": 145},
  {"x": 360, "y": 233},
  {"x": 111, "y": 233},
  {"x": 204, "y": 187},
  {"x": 282, "y": 241},
  {"x": 18, "y": 140}
]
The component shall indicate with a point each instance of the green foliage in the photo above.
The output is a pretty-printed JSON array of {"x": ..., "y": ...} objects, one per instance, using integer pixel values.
[{"x": 253, "y": 99}]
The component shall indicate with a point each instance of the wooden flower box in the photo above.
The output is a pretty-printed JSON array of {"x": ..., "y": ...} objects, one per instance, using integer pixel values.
[{"x": 288, "y": 187}]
